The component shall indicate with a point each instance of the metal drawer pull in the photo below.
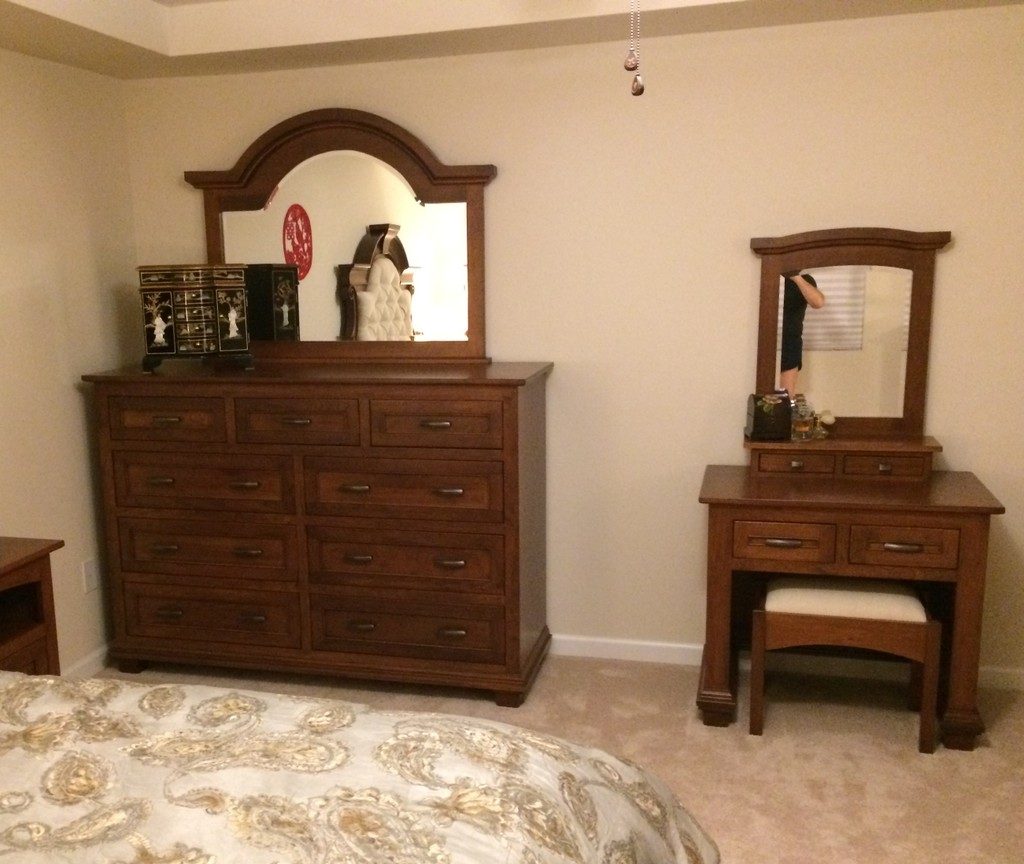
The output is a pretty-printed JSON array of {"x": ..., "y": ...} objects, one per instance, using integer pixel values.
[
  {"x": 904, "y": 548},
  {"x": 361, "y": 488},
  {"x": 796, "y": 465},
  {"x": 451, "y": 491},
  {"x": 452, "y": 633},
  {"x": 783, "y": 543},
  {"x": 296, "y": 421},
  {"x": 170, "y": 613},
  {"x": 160, "y": 481},
  {"x": 450, "y": 563},
  {"x": 884, "y": 468},
  {"x": 436, "y": 424},
  {"x": 359, "y": 559},
  {"x": 245, "y": 484},
  {"x": 166, "y": 420},
  {"x": 164, "y": 548},
  {"x": 254, "y": 618},
  {"x": 248, "y": 552},
  {"x": 362, "y": 626}
]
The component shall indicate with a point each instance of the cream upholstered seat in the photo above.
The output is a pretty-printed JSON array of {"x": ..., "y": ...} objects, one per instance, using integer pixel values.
[
  {"x": 855, "y": 613},
  {"x": 384, "y": 306}
]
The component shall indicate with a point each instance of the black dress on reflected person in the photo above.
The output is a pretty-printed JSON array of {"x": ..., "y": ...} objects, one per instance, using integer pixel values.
[{"x": 794, "y": 305}]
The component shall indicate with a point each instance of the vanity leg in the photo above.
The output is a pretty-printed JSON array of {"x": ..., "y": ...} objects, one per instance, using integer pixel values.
[{"x": 716, "y": 697}]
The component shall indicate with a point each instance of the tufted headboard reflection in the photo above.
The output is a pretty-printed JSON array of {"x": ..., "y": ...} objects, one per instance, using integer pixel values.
[{"x": 375, "y": 290}]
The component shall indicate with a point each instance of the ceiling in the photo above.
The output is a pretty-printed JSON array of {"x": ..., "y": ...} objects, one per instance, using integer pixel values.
[{"x": 153, "y": 38}]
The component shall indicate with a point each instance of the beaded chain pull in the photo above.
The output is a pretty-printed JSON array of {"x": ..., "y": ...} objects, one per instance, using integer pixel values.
[{"x": 632, "y": 63}]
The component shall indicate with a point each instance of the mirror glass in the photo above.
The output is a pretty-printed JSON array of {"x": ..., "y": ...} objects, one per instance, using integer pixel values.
[
  {"x": 854, "y": 351},
  {"x": 343, "y": 191}
]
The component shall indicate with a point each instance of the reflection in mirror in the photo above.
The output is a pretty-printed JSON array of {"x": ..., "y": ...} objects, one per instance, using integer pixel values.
[
  {"x": 854, "y": 348},
  {"x": 343, "y": 191}
]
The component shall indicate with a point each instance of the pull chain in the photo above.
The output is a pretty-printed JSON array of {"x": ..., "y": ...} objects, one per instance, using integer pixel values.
[{"x": 632, "y": 63}]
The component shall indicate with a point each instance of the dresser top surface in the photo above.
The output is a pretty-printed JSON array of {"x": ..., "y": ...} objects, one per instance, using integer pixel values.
[{"x": 948, "y": 491}]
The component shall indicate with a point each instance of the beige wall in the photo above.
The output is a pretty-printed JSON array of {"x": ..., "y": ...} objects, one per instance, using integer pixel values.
[
  {"x": 618, "y": 247},
  {"x": 67, "y": 244}
]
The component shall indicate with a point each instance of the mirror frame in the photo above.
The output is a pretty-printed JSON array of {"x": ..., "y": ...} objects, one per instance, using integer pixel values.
[
  {"x": 889, "y": 247},
  {"x": 254, "y": 178}
]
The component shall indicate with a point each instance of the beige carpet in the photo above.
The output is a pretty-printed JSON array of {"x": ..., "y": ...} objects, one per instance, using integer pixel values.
[{"x": 836, "y": 777}]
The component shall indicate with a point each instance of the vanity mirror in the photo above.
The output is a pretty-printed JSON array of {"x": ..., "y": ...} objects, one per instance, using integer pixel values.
[
  {"x": 868, "y": 364},
  {"x": 351, "y": 169}
]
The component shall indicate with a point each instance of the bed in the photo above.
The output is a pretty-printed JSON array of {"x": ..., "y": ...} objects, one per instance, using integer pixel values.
[{"x": 101, "y": 770}]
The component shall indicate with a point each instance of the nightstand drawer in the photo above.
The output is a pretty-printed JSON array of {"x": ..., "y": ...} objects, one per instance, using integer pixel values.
[
  {"x": 436, "y": 423},
  {"x": 297, "y": 421},
  {"x": 795, "y": 462},
  {"x": 151, "y": 418},
  {"x": 784, "y": 541},
  {"x": 906, "y": 546},
  {"x": 204, "y": 617},
  {"x": 408, "y": 629},
  {"x": 204, "y": 482},
  {"x": 404, "y": 488},
  {"x": 881, "y": 465}
]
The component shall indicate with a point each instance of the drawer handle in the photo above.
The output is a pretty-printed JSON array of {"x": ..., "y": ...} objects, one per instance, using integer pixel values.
[
  {"x": 451, "y": 491},
  {"x": 452, "y": 633},
  {"x": 166, "y": 420},
  {"x": 358, "y": 488},
  {"x": 796, "y": 465},
  {"x": 359, "y": 559},
  {"x": 362, "y": 626},
  {"x": 245, "y": 484},
  {"x": 904, "y": 548},
  {"x": 164, "y": 548},
  {"x": 436, "y": 424},
  {"x": 296, "y": 421},
  {"x": 783, "y": 543},
  {"x": 160, "y": 481},
  {"x": 252, "y": 618},
  {"x": 248, "y": 552},
  {"x": 170, "y": 613},
  {"x": 450, "y": 563},
  {"x": 885, "y": 468}
]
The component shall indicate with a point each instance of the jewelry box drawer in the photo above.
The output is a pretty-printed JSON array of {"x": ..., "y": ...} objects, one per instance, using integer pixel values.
[
  {"x": 905, "y": 546},
  {"x": 297, "y": 421},
  {"x": 880, "y": 465},
  {"x": 784, "y": 541},
  {"x": 400, "y": 559},
  {"x": 405, "y": 628},
  {"x": 796, "y": 463},
  {"x": 404, "y": 488},
  {"x": 436, "y": 423},
  {"x": 152, "y": 418},
  {"x": 210, "y": 616},
  {"x": 189, "y": 481},
  {"x": 216, "y": 549}
]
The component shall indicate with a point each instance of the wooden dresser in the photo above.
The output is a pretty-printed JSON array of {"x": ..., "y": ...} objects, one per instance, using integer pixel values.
[
  {"x": 383, "y": 522},
  {"x": 28, "y": 628}
]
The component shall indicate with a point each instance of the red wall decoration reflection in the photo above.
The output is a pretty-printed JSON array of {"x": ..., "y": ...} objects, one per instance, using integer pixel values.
[{"x": 297, "y": 239}]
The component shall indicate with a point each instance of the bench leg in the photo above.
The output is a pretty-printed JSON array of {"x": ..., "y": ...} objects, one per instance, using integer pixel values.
[
  {"x": 930, "y": 688},
  {"x": 757, "y": 673}
]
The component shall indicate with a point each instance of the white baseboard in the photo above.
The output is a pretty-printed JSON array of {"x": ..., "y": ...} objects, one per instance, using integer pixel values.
[{"x": 89, "y": 665}]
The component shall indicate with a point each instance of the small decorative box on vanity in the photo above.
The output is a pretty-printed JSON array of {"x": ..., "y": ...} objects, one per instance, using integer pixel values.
[{"x": 194, "y": 310}]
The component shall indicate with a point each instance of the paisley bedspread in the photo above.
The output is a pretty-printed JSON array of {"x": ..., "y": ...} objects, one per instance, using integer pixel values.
[{"x": 125, "y": 773}]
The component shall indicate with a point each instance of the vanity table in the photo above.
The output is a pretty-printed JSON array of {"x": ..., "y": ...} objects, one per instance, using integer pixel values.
[
  {"x": 367, "y": 509},
  {"x": 864, "y": 502}
]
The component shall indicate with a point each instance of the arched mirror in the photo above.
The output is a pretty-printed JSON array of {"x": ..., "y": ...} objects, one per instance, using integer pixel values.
[
  {"x": 866, "y": 322},
  {"x": 343, "y": 170}
]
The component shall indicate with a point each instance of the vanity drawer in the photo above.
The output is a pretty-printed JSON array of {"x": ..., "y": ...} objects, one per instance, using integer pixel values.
[
  {"x": 297, "y": 421},
  {"x": 436, "y": 423},
  {"x": 905, "y": 546},
  {"x": 151, "y": 418},
  {"x": 208, "y": 616},
  {"x": 405, "y": 628},
  {"x": 404, "y": 488},
  {"x": 795, "y": 462},
  {"x": 881, "y": 465},
  {"x": 218, "y": 549},
  {"x": 399, "y": 559},
  {"x": 784, "y": 541},
  {"x": 204, "y": 482}
]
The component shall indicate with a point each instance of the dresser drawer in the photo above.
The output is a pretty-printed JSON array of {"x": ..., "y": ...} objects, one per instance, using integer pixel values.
[
  {"x": 881, "y": 465},
  {"x": 795, "y": 462},
  {"x": 152, "y": 418},
  {"x": 210, "y": 616},
  {"x": 297, "y": 421},
  {"x": 404, "y": 488},
  {"x": 398, "y": 559},
  {"x": 204, "y": 482},
  {"x": 222, "y": 549},
  {"x": 408, "y": 629},
  {"x": 905, "y": 546},
  {"x": 784, "y": 541},
  {"x": 436, "y": 423}
]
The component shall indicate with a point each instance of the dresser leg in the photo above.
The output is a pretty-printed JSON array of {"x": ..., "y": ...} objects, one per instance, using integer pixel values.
[
  {"x": 509, "y": 699},
  {"x": 131, "y": 667},
  {"x": 960, "y": 732}
]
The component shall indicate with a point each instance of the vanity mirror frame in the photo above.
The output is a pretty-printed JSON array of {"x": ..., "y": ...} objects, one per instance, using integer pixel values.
[
  {"x": 888, "y": 247},
  {"x": 252, "y": 181}
]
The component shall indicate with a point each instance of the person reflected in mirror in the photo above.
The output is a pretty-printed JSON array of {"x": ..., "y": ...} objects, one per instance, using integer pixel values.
[{"x": 800, "y": 290}]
